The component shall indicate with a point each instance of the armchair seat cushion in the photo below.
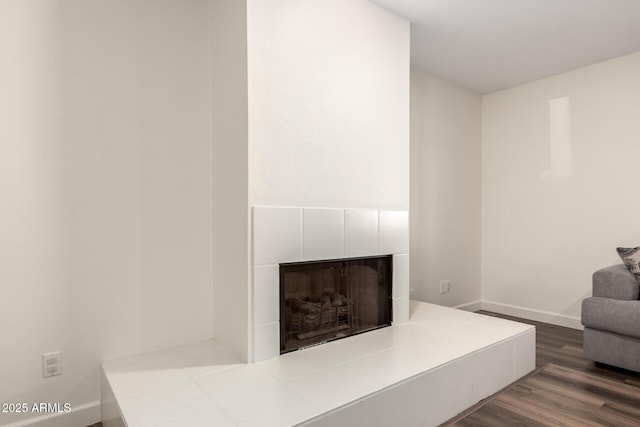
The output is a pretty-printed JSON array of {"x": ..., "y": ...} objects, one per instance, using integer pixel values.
[{"x": 612, "y": 315}]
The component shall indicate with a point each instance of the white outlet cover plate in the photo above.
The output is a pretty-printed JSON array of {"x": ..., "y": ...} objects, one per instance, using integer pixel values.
[{"x": 51, "y": 364}]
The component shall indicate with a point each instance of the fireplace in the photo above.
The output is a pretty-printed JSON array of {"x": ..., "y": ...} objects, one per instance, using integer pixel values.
[
  {"x": 290, "y": 235},
  {"x": 322, "y": 301}
]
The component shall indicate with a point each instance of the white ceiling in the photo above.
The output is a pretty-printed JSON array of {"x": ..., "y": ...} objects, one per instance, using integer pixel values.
[{"x": 488, "y": 45}]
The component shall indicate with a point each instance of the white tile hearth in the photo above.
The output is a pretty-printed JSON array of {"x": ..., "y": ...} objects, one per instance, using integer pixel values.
[
  {"x": 421, "y": 372},
  {"x": 400, "y": 310},
  {"x": 235, "y": 383},
  {"x": 207, "y": 418},
  {"x": 166, "y": 403},
  {"x": 331, "y": 389},
  {"x": 272, "y": 407},
  {"x": 348, "y": 416},
  {"x": 382, "y": 369}
]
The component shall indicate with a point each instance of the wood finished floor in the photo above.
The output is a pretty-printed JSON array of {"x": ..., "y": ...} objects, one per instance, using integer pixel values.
[{"x": 565, "y": 389}]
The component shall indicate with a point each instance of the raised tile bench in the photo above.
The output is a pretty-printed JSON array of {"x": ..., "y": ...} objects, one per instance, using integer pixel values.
[{"x": 422, "y": 372}]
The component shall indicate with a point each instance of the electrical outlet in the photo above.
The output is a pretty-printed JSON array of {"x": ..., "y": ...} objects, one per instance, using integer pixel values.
[
  {"x": 445, "y": 286},
  {"x": 51, "y": 364}
]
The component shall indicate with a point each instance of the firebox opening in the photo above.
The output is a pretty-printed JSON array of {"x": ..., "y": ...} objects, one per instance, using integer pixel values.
[{"x": 323, "y": 301}]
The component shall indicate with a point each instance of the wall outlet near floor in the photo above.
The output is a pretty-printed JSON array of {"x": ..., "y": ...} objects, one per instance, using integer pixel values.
[
  {"x": 51, "y": 364},
  {"x": 445, "y": 286}
]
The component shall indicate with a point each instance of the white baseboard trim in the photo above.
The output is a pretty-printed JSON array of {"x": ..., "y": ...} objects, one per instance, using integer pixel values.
[
  {"x": 533, "y": 314},
  {"x": 470, "y": 306},
  {"x": 79, "y": 416}
]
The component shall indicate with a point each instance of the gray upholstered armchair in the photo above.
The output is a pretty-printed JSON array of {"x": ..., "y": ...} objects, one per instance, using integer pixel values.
[{"x": 611, "y": 319}]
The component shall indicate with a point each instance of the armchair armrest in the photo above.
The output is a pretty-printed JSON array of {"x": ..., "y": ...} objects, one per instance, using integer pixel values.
[{"x": 615, "y": 282}]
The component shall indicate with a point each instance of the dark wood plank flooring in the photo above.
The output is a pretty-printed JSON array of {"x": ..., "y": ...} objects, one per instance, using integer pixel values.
[{"x": 565, "y": 389}]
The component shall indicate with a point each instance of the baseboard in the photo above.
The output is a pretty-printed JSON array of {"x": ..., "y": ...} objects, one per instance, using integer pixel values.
[
  {"x": 470, "y": 306},
  {"x": 79, "y": 416},
  {"x": 533, "y": 314}
]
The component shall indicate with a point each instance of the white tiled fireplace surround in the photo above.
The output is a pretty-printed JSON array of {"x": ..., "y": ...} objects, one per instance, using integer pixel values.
[
  {"x": 292, "y": 234},
  {"x": 431, "y": 364}
]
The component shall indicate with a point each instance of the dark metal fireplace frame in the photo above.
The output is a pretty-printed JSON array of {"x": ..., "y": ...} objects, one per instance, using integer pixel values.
[{"x": 339, "y": 316}]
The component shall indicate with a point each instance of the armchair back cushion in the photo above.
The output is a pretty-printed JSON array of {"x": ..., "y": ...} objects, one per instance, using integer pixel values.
[{"x": 616, "y": 282}]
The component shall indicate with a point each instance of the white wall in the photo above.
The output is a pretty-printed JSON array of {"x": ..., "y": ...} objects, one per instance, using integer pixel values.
[
  {"x": 329, "y": 104},
  {"x": 105, "y": 182},
  {"x": 230, "y": 175},
  {"x": 445, "y": 190},
  {"x": 544, "y": 233}
]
